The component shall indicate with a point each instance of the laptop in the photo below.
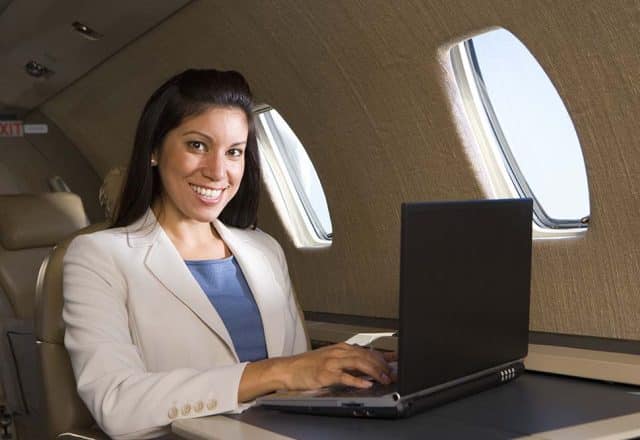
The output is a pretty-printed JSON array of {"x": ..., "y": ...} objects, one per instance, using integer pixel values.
[{"x": 465, "y": 273}]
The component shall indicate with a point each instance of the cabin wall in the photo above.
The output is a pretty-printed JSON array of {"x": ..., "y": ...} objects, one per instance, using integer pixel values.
[
  {"x": 27, "y": 163},
  {"x": 368, "y": 88}
]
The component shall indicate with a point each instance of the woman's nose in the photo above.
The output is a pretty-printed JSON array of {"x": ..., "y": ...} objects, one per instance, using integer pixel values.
[{"x": 214, "y": 167}]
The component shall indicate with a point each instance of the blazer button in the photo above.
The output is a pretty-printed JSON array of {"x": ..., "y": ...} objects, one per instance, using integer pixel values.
[
  {"x": 199, "y": 406},
  {"x": 186, "y": 409},
  {"x": 211, "y": 404},
  {"x": 173, "y": 412}
]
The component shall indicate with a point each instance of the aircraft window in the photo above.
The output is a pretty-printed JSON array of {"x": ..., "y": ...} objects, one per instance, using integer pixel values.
[
  {"x": 529, "y": 143},
  {"x": 292, "y": 181}
]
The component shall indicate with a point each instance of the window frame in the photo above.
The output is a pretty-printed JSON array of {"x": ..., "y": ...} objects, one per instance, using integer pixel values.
[
  {"x": 506, "y": 178},
  {"x": 291, "y": 202}
]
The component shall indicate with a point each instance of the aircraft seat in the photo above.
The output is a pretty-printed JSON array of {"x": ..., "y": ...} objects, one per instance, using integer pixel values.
[
  {"x": 30, "y": 225},
  {"x": 66, "y": 415}
]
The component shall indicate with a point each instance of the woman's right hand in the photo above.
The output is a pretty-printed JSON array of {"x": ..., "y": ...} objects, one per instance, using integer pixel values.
[
  {"x": 341, "y": 363},
  {"x": 338, "y": 364}
]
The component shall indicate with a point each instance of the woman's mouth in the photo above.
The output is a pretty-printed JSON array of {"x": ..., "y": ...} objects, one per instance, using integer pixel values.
[{"x": 207, "y": 194}]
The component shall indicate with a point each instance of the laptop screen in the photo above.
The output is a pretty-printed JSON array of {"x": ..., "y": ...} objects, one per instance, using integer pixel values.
[{"x": 465, "y": 271}]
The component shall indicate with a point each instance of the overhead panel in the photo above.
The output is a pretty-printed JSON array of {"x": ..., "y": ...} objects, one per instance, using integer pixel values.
[{"x": 42, "y": 32}]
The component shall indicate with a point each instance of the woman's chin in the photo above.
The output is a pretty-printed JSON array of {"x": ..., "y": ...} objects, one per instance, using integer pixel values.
[{"x": 207, "y": 213}]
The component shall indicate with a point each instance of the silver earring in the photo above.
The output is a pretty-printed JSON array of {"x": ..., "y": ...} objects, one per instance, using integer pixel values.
[{"x": 154, "y": 162}]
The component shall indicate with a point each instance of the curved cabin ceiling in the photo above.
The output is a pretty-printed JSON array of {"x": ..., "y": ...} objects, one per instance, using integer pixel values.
[
  {"x": 41, "y": 30},
  {"x": 368, "y": 88}
]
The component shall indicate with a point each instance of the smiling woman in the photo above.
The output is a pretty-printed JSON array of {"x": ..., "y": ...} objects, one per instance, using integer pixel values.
[
  {"x": 204, "y": 156},
  {"x": 184, "y": 308},
  {"x": 195, "y": 112},
  {"x": 201, "y": 164}
]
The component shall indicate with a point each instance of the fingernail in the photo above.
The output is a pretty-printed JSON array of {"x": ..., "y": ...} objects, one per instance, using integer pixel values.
[{"x": 385, "y": 378}]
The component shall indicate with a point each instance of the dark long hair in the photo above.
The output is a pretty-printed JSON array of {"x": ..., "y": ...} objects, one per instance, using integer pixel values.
[{"x": 188, "y": 94}]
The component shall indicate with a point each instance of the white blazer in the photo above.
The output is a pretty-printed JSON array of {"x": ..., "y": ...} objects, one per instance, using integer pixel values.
[{"x": 146, "y": 345}]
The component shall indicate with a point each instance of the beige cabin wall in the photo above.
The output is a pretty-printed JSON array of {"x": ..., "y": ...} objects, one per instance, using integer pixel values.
[
  {"x": 368, "y": 88},
  {"x": 30, "y": 162}
]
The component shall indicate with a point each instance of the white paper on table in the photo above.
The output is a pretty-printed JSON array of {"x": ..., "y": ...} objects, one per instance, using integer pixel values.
[{"x": 364, "y": 339}]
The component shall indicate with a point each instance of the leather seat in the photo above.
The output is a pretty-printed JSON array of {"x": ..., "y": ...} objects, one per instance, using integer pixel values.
[
  {"x": 30, "y": 225},
  {"x": 66, "y": 415}
]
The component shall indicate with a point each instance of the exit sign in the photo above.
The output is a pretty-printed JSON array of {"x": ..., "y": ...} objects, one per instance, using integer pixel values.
[
  {"x": 15, "y": 128},
  {"x": 11, "y": 129}
]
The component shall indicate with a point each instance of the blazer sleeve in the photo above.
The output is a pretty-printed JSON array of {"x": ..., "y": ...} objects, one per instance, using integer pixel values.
[{"x": 126, "y": 400}]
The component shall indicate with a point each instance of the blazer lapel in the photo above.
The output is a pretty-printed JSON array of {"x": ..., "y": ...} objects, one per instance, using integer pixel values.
[
  {"x": 268, "y": 293},
  {"x": 166, "y": 264}
]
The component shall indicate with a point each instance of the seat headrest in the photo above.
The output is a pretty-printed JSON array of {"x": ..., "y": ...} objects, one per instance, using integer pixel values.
[{"x": 39, "y": 220}]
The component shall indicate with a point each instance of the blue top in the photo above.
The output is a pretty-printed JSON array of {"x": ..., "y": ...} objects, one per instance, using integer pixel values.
[{"x": 228, "y": 291}]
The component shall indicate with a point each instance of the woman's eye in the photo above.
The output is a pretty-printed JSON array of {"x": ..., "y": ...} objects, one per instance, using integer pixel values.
[
  {"x": 235, "y": 152},
  {"x": 197, "y": 145}
]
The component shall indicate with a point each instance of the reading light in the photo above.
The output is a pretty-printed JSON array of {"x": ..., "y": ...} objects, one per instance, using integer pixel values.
[{"x": 86, "y": 31}]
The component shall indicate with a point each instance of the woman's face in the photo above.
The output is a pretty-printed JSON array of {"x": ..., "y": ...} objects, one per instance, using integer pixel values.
[{"x": 201, "y": 163}]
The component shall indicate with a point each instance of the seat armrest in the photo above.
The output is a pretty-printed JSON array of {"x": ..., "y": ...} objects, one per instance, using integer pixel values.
[{"x": 83, "y": 434}]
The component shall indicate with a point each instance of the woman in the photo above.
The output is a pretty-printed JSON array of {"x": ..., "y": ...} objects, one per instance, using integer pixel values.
[{"x": 184, "y": 308}]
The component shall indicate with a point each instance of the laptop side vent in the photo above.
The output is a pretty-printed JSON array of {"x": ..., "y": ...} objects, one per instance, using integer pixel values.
[{"x": 510, "y": 373}]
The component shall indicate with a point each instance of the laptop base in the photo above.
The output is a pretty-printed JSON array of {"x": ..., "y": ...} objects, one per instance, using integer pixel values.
[{"x": 409, "y": 405}]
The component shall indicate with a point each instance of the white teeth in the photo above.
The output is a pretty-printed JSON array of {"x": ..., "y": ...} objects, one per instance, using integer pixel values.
[{"x": 207, "y": 192}]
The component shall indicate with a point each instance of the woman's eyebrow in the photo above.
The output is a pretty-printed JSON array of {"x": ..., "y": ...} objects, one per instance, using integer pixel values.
[
  {"x": 235, "y": 144},
  {"x": 198, "y": 133}
]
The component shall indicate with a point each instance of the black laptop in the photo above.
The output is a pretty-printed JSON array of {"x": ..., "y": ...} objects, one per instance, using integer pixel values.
[{"x": 465, "y": 271}]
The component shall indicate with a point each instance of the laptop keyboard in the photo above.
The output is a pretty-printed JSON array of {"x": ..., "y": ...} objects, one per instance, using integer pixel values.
[{"x": 376, "y": 390}]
